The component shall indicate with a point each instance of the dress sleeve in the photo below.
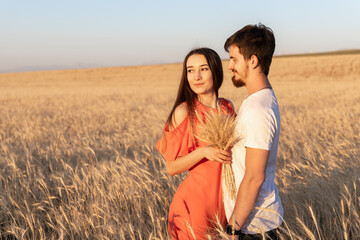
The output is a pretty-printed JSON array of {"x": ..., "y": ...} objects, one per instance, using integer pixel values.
[
  {"x": 176, "y": 143},
  {"x": 227, "y": 107}
]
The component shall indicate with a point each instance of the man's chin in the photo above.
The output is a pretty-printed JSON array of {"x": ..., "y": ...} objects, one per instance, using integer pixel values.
[{"x": 237, "y": 82}]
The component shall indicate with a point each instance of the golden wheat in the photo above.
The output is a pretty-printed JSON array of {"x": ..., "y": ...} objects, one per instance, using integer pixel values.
[
  {"x": 77, "y": 155},
  {"x": 218, "y": 129}
]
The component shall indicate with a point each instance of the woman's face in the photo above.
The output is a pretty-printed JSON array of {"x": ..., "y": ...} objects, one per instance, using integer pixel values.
[{"x": 199, "y": 75}]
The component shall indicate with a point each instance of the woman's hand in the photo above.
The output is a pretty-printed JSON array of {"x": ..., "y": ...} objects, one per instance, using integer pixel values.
[{"x": 217, "y": 155}]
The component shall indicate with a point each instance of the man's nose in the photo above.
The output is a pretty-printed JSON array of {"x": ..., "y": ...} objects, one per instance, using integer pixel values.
[{"x": 230, "y": 66}]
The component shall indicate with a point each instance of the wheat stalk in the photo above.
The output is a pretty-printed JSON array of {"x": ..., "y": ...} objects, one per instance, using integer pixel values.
[
  {"x": 44, "y": 162},
  {"x": 218, "y": 129}
]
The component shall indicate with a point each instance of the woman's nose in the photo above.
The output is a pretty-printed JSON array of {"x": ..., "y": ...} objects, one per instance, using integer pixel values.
[{"x": 197, "y": 75}]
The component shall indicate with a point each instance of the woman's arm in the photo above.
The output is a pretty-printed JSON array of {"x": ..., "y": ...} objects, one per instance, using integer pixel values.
[{"x": 184, "y": 163}]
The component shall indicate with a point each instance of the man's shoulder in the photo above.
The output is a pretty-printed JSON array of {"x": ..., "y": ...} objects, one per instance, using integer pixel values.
[
  {"x": 261, "y": 109},
  {"x": 255, "y": 106},
  {"x": 254, "y": 112},
  {"x": 263, "y": 101}
]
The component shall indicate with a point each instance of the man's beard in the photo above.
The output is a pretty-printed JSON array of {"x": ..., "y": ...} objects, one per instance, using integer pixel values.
[
  {"x": 237, "y": 82},
  {"x": 240, "y": 82}
]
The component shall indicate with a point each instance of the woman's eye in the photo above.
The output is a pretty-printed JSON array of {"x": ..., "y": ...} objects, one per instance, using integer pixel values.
[
  {"x": 190, "y": 70},
  {"x": 204, "y": 69}
]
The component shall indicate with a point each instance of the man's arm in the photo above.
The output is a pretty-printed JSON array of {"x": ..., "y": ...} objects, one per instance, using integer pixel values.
[{"x": 255, "y": 165}]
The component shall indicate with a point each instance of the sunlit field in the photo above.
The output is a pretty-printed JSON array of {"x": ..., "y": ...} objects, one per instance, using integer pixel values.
[{"x": 78, "y": 157}]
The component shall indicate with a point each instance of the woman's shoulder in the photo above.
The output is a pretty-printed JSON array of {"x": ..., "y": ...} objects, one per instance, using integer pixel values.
[{"x": 180, "y": 114}]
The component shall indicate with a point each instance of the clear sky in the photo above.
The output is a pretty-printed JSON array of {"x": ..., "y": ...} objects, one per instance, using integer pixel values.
[{"x": 45, "y": 34}]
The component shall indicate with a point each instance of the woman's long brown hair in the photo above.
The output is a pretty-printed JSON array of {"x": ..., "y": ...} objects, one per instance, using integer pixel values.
[{"x": 185, "y": 94}]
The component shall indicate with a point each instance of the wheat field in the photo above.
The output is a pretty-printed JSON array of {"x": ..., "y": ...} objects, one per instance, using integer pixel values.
[{"x": 78, "y": 161}]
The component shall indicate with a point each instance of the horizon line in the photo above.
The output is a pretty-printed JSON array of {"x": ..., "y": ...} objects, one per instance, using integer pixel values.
[{"x": 337, "y": 52}]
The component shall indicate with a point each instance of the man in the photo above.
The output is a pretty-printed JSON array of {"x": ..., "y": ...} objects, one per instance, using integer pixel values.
[{"x": 257, "y": 209}]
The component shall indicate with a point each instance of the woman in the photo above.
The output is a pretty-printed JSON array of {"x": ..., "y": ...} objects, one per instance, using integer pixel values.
[{"x": 198, "y": 199}]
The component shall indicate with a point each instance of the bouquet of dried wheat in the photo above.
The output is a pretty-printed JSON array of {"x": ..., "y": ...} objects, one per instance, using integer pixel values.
[{"x": 218, "y": 129}]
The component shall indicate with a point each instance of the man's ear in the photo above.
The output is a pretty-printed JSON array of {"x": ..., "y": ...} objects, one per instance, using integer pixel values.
[{"x": 254, "y": 62}]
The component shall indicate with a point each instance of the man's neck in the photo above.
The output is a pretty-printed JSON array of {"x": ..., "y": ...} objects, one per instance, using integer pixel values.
[{"x": 257, "y": 83}]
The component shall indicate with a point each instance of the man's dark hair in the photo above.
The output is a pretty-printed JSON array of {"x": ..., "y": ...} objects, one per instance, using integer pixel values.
[{"x": 255, "y": 40}]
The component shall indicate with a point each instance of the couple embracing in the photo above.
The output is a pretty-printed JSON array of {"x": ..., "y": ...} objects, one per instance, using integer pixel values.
[{"x": 202, "y": 198}]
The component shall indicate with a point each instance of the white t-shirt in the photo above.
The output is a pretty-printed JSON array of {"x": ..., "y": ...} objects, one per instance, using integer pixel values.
[{"x": 258, "y": 126}]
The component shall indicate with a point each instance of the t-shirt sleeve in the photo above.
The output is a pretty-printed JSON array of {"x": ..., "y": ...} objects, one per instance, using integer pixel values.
[
  {"x": 175, "y": 143},
  {"x": 260, "y": 128}
]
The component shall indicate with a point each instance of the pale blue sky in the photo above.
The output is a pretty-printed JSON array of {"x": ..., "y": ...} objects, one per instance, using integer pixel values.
[{"x": 45, "y": 34}]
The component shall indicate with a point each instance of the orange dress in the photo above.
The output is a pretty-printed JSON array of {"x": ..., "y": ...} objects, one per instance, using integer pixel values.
[{"x": 198, "y": 200}]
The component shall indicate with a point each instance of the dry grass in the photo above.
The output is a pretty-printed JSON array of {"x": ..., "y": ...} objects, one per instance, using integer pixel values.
[{"x": 77, "y": 156}]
